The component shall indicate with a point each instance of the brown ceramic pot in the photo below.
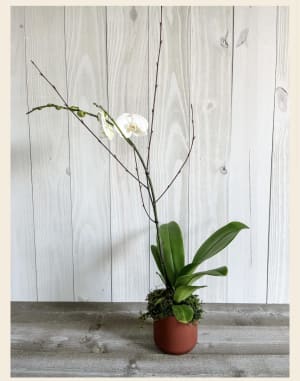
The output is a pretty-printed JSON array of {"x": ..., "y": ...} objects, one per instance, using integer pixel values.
[{"x": 174, "y": 337}]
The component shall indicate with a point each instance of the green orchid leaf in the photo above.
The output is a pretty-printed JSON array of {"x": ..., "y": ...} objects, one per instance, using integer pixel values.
[
  {"x": 156, "y": 257},
  {"x": 218, "y": 241},
  {"x": 183, "y": 313},
  {"x": 162, "y": 278},
  {"x": 183, "y": 292},
  {"x": 173, "y": 250},
  {"x": 177, "y": 247},
  {"x": 167, "y": 253},
  {"x": 185, "y": 280},
  {"x": 188, "y": 269}
]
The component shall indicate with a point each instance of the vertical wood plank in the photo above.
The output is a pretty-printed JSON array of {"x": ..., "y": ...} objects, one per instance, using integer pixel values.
[
  {"x": 251, "y": 144},
  {"x": 278, "y": 237},
  {"x": 87, "y": 83},
  {"x": 127, "y": 44},
  {"x": 211, "y": 60},
  {"x": 252, "y": 186},
  {"x": 50, "y": 154},
  {"x": 23, "y": 286},
  {"x": 170, "y": 142}
]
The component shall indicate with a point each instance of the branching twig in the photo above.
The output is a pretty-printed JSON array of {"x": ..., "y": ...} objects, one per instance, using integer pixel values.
[
  {"x": 82, "y": 122},
  {"x": 141, "y": 191},
  {"x": 185, "y": 160},
  {"x": 155, "y": 90}
]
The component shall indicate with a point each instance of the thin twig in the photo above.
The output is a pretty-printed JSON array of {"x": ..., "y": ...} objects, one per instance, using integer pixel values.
[
  {"x": 85, "y": 125},
  {"x": 185, "y": 160},
  {"x": 155, "y": 90},
  {"x": 58, "y": 107},
  {"x": 141, "y": 191}
]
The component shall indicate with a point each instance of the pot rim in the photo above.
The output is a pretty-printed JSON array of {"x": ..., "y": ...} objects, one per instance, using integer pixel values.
[{"x": 194, "y": 322}]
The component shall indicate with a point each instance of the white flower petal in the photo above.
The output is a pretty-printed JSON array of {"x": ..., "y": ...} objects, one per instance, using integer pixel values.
[
  {"x": 132, "y": 124},
  {"x": 109, "y": 132},
  {"x": 106, "y": 129},
  {"x": 123, "y": 122},
  {"x": 142, "y": 124}
]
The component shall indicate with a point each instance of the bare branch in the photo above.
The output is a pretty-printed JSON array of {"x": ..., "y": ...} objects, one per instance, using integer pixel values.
[
  {"x": 141, "y": 191},
  {"x": 155, "y": 90},
  {"x": 185, "y": 160},
  {"x": 74, "y": 112}
]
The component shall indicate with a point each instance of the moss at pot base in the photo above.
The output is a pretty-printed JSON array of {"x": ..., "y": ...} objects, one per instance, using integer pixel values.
[
  {"x": 161, "y": 301},
  {"x": 173, "y": 337}
]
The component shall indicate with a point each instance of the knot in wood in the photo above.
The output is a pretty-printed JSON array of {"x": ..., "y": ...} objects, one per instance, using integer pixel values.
[
  {"x": 223, "y": 170},
  {"x": 132, "y": 364},
  {"x": 223, "y": 42}
]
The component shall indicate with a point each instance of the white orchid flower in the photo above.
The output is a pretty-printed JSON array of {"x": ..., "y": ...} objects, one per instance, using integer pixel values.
[
  {"x": 107, "y": 130},
  {"x": 132, "y": 124}
]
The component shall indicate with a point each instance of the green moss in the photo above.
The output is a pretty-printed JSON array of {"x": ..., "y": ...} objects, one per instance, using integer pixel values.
[{"x": 160, "y": 304}]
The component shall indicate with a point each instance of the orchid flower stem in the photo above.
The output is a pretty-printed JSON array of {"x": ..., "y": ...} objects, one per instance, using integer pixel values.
[
  {"x": 141, "y": 191},
  {"x": 154, "y": 208},
  {"x": 149, "y": 187}
]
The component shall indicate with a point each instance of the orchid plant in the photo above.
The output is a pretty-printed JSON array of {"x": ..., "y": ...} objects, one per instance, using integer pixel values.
[{"x": 168, "y": 252}]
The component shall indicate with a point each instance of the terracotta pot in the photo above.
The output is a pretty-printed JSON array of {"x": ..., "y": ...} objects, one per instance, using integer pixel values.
[{"x": 173, "y": 337}]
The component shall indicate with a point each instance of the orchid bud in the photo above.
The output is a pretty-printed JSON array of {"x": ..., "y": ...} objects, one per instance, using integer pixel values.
[{"x": 81, "y": 113}]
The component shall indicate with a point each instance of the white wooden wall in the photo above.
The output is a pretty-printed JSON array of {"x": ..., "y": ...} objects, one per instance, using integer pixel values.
[{"x": 78, "y": 229}]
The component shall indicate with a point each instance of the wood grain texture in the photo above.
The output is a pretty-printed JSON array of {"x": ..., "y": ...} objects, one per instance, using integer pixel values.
[
  {"x": 278, "y": 272},
  {"x": 50, "y": 154},
  {"x": 211, "y": 60},
  {"x": 87, "y": 83},
  {"x": 228, "y": 62},
  {"x": 127, "y": 44},
  {"x": 251, "y": 149},
  {"x": 215, "y": 313},
  {"x": 171, "y": 121},
  {"x": 23, "y": 285},
  {"x": 95, "y": 365},
  {"x": 211, "y": 340},
  {"x": 107, "y": 339},
  {"x": 119, "y": 330}
]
